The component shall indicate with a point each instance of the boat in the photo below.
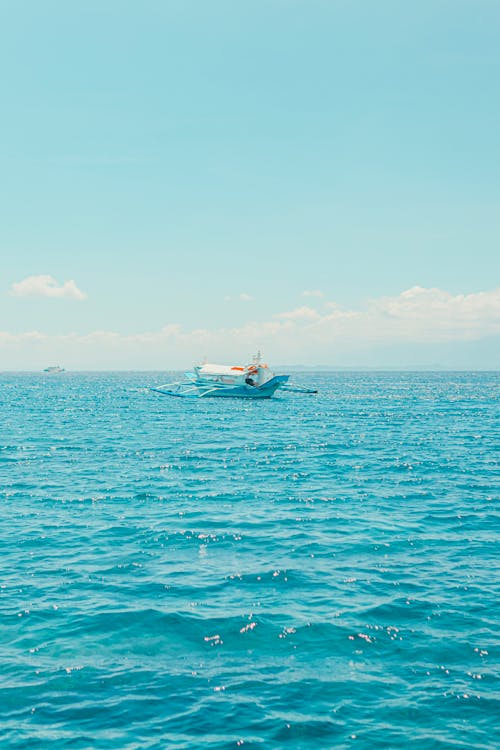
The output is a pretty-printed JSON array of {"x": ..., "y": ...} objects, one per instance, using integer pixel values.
[
  {"x": 255, "y": 380},
  {"x": 55, "y": 369}
]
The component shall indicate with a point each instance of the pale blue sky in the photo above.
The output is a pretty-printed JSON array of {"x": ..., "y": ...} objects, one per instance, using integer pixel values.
[{"x": 169, "y": 155}]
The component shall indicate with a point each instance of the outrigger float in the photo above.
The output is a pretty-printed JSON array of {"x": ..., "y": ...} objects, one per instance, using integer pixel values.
[{"x": 223, "y": 381}]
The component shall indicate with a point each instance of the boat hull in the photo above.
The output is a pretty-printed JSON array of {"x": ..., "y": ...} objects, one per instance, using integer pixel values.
[
  {"x": 248, "y": 391},
  {"x": 203, "y": 389}
]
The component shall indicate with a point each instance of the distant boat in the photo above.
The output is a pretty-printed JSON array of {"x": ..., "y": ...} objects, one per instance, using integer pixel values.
[
  {"x": 54, "y": 369},
  {"x": 255, "y": 380}
]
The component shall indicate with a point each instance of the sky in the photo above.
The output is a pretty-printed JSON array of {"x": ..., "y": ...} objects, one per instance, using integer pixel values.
[{"x": 315, "y": 178}]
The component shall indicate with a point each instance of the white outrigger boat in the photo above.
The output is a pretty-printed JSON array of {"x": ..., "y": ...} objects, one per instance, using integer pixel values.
[{"x": 208, "y": 380}]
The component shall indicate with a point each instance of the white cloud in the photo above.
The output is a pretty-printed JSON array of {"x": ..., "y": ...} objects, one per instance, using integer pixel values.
[
  {"x": 46, "y": 286},
  {"x": 303, "y": 313},
  {"x": 313, "y": 293},
  {"x": 436, "y": 315}
]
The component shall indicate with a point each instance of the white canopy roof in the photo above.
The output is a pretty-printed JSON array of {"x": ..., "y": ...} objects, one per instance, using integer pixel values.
[{"x": 220, "y": 370}]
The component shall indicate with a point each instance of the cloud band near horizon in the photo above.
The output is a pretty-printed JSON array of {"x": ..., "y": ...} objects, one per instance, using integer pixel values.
[{"x": 302, "y": 335}]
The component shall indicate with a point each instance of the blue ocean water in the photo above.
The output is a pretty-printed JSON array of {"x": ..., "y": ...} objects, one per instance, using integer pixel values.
[{"x": 305, "y": 572}]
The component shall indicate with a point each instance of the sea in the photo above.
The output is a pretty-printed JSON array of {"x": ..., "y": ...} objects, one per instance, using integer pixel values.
[{"x": 310, "y": 571}]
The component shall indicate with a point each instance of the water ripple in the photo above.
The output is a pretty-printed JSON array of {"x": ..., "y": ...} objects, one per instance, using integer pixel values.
[{"x": 304, "y": 573}]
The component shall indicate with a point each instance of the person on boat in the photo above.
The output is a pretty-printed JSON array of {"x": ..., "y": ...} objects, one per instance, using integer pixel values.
[{"x": 250, "y": 381}]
